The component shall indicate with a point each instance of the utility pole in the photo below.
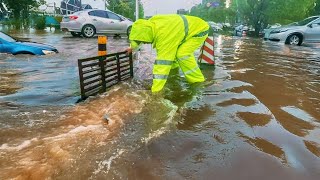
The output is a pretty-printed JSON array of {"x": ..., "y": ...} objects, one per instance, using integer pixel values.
[
  {"x": 137, "y": 9},
  {"x": 237, "y": 14},
  {"x": 54, "y": 8}
]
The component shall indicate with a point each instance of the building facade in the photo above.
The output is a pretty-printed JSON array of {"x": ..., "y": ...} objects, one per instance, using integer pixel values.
[
  {"x": 70, "y": 6},
  {"x": 182, "y": 11},
  {"x": 65, "y": 7}
]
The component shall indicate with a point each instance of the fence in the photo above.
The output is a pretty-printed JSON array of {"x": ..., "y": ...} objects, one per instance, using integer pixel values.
[{"x": 101, "y": 72}]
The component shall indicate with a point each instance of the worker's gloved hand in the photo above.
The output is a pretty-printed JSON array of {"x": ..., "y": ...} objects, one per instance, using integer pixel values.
[
  {"x": 129, "y": 51},
  {"x": 135, "y": 45}
]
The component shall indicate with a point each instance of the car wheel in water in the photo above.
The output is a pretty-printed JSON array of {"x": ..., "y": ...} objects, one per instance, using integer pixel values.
[
  {"x": 294, "y": 39},
  {"x": 88, "y": 31},
  {"x": 76, "y": 34},
  {"x": 129, "y": 31}
]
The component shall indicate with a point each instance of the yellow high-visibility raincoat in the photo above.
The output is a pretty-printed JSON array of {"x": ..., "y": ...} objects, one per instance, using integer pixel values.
[{"x": 175, "y": 38}]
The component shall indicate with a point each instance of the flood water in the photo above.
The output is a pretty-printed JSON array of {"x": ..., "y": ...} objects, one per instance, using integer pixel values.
[{"x": 257, "y": 116}]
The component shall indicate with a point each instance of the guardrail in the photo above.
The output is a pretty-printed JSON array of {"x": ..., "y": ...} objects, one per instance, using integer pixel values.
[{"x": 99, "y": 73}]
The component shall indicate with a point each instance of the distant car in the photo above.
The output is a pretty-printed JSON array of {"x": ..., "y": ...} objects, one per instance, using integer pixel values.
[
  {"x": 215, "y": 26},
  {"x": 307, "y": 30},
  {"x": 13, "y": 46},
  {"x": 276, "y": 25},
  {"x": 226, "y": 25},
  {"x": 269, "y": 28},
  {"x": 93, "y": 21},
  {"x": 239, "y": 30}
]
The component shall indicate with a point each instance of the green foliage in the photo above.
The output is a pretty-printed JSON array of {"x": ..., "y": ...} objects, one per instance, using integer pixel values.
[
  {"x": 216, "y": 14},
  {"x": 316, "y": 9},
  {"x": 21, "y": 10},
  {"x": 40, "y": 23},
  {"x": 125, "y": 8},
  {"x": 274, "y": 11},
  {"x": 58, "y": 18},
  {"x": 258, "y": 13}
]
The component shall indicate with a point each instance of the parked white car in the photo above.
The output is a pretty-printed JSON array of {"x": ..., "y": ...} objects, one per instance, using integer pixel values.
[
  {"x": 93, "y": 21},
  {"x": 307, "y": 30},
  {"x": 276, "y": 25},
  {"x": 215, "y": 26},
  {"x": 227, "y": 25},
  {"x": 238, "y": 30}
]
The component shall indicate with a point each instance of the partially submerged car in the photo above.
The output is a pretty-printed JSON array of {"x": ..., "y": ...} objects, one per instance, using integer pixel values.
[
  {"x": 13, "y": 46},
  {"x": 94, "y": 21},
  {"x": 307, "y": 30}
]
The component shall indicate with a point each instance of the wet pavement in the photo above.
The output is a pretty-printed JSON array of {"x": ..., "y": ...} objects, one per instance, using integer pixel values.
[{"x": 257, "y": 116}]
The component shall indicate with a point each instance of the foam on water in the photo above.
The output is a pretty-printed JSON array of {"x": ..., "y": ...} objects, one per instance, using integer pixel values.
[
  {"x": 78, "y": 131},
  {"x": 153, "y": 135},
  {"x": 107, "y": 163},
  {"x": 19, "y": 147},
  {"x": 166, "y": 125}
]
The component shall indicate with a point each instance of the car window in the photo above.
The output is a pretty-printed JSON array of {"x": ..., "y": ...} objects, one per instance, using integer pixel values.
[
  {"x": 317, "y": 21},
  {"x": 6, "y": 37},
  {"x": 306, "y": 21},
  {"x": 113, "y": 16},
  {"x": 98, "y": 13}
]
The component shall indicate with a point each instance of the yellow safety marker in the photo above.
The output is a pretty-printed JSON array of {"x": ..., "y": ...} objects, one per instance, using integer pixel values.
[{"x": 102, "y": 45}]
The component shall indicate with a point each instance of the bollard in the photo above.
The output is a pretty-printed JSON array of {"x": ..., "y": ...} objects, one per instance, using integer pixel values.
[
  {"x": 102, "y": 45},
  {"x": 207, "y": 52}
]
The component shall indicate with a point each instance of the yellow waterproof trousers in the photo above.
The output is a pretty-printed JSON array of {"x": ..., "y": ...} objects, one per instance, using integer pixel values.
[{"x": 184, "y": 59}]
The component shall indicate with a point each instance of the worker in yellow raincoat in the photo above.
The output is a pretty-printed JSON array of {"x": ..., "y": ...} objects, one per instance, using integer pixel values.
[{"x": 175, "y": 37}]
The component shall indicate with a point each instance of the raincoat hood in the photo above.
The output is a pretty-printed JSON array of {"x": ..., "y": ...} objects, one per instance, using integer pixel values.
[{"x": 142, "y": 30}]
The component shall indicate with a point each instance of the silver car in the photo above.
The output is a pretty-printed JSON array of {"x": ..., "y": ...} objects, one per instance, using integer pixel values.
[
  {"x": 307, "y": 30},
  {"x": 93, "y": 21}
]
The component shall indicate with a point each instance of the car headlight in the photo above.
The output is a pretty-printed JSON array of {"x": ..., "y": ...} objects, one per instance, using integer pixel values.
[
  {"x": 46, "y": 52},
  {"x": 278, "y": 31}
]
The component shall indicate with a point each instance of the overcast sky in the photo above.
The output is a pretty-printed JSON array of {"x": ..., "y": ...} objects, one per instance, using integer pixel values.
[{"x": 151, "y": 7}]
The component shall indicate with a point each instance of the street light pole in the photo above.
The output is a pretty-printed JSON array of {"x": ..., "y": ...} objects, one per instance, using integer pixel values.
[
  {"x": 137, "y": 9},
  {"x": 237, "y": 13}
]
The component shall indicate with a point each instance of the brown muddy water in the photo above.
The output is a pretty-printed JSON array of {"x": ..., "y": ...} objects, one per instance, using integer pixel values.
[{"x": 257, "y": 116}]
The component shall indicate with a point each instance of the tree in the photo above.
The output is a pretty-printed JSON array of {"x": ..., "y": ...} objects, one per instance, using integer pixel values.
[
  {"x": 316, "y": 8},
  {"x": 20, "y": 10},
  {"x": 217, "y": 14},
  {"x": 289, "y": 11},
  {"x": 254, "y": 13},
  {"x": 125, "y": 8},
  {"x": 260, "y": 13}
]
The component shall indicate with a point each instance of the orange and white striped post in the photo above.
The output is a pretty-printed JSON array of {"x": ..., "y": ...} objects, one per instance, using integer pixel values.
[
  {"x": 102, "y": 45},
  {"x": 207, "y": 52}
]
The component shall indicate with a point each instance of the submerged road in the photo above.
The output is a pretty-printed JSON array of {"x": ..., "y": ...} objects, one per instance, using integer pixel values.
[{"x": 257, "y": 116}]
